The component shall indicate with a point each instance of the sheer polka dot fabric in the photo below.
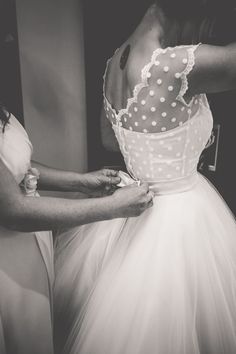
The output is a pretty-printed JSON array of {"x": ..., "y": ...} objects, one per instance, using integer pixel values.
[
  {"x": 158, "y": 102},
  {"x": 161, "y": 136}
]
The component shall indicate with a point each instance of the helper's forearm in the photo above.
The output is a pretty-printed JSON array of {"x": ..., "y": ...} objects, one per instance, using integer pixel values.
[
  {"x": 57, "y": 180},
  {"x": 30, "y": 214}
]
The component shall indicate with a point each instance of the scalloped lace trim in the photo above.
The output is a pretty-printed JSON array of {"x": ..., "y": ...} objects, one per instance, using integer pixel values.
[
  {"x": 185, "y": 73},
  {"x": 144, "y": 79}
]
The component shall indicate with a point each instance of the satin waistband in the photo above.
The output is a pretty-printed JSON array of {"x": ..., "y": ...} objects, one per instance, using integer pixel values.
[
  {"x": 179, "y": 185},
  {"x": 173, "y": 187}
]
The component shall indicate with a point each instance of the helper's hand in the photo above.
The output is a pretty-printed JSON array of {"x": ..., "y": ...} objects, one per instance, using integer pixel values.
[
  {"x": 132, "y": 200},
  {"x": 99, "y": 183}
]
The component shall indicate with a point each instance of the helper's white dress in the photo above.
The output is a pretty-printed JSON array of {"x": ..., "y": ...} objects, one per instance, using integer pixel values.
[
  {"x": 164, "y": 282},
  {"x": 26, "y": 262}
]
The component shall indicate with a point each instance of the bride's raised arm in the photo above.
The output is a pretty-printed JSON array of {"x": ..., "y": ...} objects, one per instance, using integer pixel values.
[{"x": 214, "y": 70}]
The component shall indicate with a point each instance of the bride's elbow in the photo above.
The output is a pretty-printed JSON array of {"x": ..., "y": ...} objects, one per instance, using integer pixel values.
[{"x": 229, "y": 72}]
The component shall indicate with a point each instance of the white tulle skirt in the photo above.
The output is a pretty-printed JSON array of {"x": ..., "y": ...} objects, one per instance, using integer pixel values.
[{"x": 161, "y": 283}]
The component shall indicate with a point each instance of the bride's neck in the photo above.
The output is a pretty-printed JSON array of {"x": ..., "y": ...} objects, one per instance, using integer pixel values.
[
  {"x": 158, "y": 25},
  {"x": 168, "y": 31}
]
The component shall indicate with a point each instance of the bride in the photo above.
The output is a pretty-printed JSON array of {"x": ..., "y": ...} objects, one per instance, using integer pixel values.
[{"x": 164, "y": 282}]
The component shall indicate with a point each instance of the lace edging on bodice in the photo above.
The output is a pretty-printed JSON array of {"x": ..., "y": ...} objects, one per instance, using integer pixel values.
[{"x": 145, "y": 76}]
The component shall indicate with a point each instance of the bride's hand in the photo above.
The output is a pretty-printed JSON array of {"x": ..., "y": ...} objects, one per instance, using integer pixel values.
[{"x": 99, "y": 183}]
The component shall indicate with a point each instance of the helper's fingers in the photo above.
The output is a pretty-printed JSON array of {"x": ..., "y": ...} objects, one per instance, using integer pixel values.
[
  {"x": 111, "y": 180},
  {"x": 150, "y": 196},
  {"x": 110, "y": 173},
  {"x": 145, "y": 187}
]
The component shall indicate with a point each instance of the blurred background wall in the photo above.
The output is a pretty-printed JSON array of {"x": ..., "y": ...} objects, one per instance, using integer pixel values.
[{"x": 51, "y": 48}]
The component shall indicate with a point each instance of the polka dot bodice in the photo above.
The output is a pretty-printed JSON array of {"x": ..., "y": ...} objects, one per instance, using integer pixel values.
[{"x": 160, "y": 134}]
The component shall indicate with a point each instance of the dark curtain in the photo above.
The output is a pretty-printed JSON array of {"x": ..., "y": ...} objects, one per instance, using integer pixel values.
[
  {"x": 10, "y": 80},
  {"x": 224, "y": 113},
  {"x": 107, "y": 24}
]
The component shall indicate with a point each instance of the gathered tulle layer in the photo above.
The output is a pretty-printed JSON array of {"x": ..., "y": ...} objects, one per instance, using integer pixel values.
[{"x": 162, "y": 283}]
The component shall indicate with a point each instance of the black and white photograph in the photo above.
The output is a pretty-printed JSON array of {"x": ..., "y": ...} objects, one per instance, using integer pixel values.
[{"x": 117, "y": 177}]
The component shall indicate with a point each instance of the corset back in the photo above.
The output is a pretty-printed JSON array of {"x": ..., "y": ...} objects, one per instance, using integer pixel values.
[{"x": 160, "y": 134}]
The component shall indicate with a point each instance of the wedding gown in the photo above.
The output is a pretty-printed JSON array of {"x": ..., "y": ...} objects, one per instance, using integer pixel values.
[
  {"x": 26, "y": 262},
  {"x": 163, "y": 282}
]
